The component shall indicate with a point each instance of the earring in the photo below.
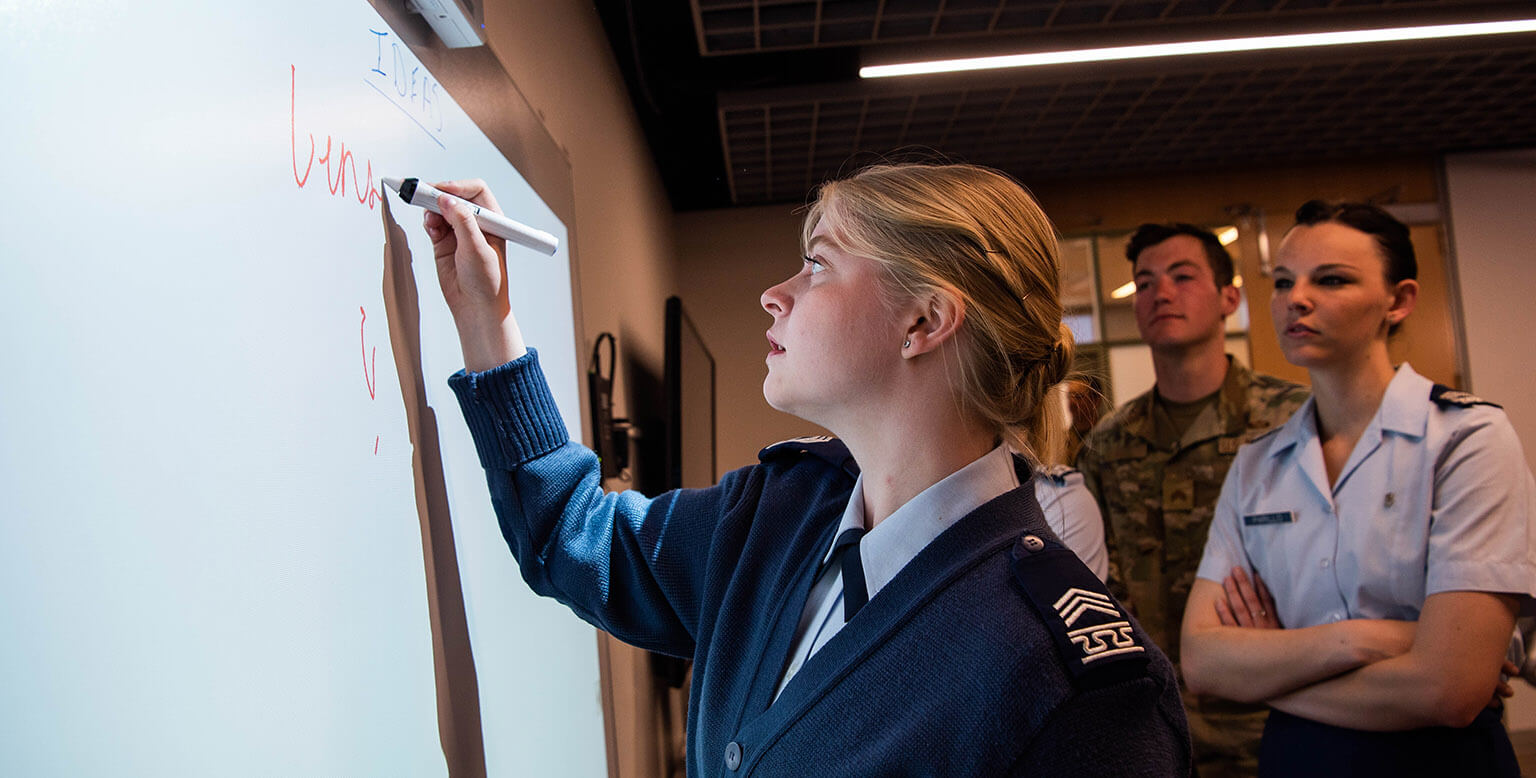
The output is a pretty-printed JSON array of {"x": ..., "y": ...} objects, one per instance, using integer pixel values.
[{"x": 906, "y": 344}]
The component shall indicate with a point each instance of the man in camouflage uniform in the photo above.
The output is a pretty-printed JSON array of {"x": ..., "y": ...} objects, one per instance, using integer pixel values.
[{"x": 1157, "y": 464}]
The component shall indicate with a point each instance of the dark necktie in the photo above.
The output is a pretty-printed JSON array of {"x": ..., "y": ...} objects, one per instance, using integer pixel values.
[{"x": 846, "y": 549}]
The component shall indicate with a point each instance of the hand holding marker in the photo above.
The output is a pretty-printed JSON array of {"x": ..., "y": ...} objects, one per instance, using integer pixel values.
[{"x": 423, "y": 195}]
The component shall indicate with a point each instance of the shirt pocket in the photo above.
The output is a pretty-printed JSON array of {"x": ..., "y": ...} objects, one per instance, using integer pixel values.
[
  {"x": 1271, "y": 535},
  {"x": 1385, "y": 552}
]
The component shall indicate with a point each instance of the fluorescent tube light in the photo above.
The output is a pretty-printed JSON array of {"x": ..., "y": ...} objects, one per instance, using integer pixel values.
[{"x": 1260, "y": 43}]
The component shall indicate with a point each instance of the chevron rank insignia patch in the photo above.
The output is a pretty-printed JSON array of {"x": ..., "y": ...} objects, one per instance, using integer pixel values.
[
  {"x": 1097, "y": 642},
  {"x": 1099, "y": 639}
]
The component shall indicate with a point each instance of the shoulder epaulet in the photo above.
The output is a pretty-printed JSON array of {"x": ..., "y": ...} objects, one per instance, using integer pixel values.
[
  {"x": 1057, "y": 473},
  {"x": 1446, "y": 397},
  {"x": 1094, "y": 636},
  {"x": 822, "y": 447}
]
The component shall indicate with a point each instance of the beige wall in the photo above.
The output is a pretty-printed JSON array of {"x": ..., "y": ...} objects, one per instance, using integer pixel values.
[
  {"x": 557, "y": 55},
  {"x": 560, "y": 60},
  {"x": 727, "y": 257},
  {"x": 1491, "y": 196}
]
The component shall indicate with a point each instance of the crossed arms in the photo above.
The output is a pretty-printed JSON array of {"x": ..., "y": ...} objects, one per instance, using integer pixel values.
[{"x": 1371, "y": 674}]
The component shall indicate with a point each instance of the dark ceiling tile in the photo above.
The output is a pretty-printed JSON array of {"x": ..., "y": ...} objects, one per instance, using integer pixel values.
[
  {"x": 727, "y": 20},
  {"x": 894, "y": 28},
  {"x": 973, "y": 5},
  {"x": 847, "y": 32},
  {"x": 787, "y": 37},
  {"x": 958, "y": 23},
  {"x": 1078, "y": 13},
  {"x": 1013, "y": 20},
  {"x": 729, "y": 42},
  {"x": 1194, "y": 8},
  {"x": 787, "y": 13},
  {"x": 849, "y": 9}
]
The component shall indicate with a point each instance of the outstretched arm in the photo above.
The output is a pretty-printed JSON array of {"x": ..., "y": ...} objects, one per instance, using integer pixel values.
[{"x": 600, "y": 553}]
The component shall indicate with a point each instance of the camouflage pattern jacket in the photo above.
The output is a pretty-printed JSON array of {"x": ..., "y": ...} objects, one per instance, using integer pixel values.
[{"x": 1158, "y": 501}]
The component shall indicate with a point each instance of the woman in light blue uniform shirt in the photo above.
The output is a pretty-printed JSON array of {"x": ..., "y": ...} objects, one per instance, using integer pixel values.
[{"x": 1387, "y": 529}]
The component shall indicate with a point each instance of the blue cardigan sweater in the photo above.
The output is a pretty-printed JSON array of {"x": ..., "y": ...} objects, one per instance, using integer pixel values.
[{"x": 958, "y": 667}]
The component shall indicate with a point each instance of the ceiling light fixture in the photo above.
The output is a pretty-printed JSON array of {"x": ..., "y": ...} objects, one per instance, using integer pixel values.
[{"x": 1260, "y": 43}]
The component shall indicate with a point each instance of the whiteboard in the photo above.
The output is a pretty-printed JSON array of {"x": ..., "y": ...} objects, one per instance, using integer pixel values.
[{"x": 211, "y": 554}]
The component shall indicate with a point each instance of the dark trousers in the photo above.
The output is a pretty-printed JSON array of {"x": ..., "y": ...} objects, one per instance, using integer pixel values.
[{"x": 1294, "y": 746}]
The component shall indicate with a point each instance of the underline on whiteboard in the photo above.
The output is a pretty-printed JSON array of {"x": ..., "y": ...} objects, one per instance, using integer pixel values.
[{"x": 406, "y": 112}]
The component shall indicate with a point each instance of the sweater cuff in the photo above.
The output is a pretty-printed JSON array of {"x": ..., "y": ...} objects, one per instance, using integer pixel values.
[{"x": 510, "y": 412}]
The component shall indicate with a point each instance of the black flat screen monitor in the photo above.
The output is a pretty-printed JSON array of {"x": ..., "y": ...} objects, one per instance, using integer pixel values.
[{"x": 690, "y": 390}]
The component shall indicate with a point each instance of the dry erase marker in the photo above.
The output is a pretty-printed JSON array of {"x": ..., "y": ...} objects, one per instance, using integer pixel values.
[{"x": 424, "y": 195}]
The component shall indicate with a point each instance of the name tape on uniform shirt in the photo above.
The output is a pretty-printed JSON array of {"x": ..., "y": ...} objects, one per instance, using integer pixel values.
[{"x": 1262, "y": 519}]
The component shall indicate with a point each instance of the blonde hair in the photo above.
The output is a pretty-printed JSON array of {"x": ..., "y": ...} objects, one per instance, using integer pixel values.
[
  {"x": 977, "y": 234},
  {"x": 1048, "y": 440}
]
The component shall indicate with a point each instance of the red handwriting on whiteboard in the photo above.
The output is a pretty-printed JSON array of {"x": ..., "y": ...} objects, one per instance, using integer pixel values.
[
  {"x": 370, "y": 374},
  {"x": 338, "y": 159},
  {"x": 370, "y": 371}
]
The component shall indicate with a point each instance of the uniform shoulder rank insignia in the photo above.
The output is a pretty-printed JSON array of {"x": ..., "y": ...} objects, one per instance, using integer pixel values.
[
  {"x": 1445, "y": 397},
  {"x": 1094, "y": 636},
  {"x": 822, "y": 447}
]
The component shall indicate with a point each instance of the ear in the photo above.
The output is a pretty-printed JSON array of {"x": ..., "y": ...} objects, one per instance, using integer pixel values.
[
  {"x": 1230, "y": 297},
  {"x": 1404, "y": 296},
  {"x": 933, "y": 321}
]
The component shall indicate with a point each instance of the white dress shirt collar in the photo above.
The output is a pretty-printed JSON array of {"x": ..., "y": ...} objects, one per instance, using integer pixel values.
[{"x": 887, "y": 548}]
